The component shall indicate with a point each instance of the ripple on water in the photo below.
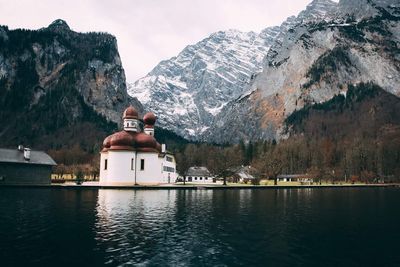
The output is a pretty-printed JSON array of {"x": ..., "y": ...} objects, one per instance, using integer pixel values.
[{"x": 199, "y": 228}]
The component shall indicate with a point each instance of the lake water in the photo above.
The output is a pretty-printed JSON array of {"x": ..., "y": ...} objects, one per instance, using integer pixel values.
[{"x": 286, "y": 227}]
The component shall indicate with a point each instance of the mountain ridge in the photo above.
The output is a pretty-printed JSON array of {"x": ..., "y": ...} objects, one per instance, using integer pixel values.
[
  {"x": 314, "y": 62},
  {"x": 53, "y": 81},
  {"x": 193, "y": 87},
  {"x": 287, "y": 78},
  {"x": 196, "y": 84}
]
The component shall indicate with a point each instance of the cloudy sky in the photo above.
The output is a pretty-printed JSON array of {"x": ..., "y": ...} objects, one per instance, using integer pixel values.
[{"x": 149, "y": 31}]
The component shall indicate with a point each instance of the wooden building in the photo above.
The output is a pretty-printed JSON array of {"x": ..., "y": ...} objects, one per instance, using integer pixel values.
[{"x": 23, "y": 166}]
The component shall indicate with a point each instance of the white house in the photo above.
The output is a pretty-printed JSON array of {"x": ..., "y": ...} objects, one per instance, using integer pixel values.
[
  {"x": 243, "y": 174},
  {"x": 301, "y": 178},
  {"x": 199, "y": 175},
  {"x": 133, "y": 156}
]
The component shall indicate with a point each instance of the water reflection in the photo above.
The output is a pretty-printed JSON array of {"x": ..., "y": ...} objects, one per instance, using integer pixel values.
[
  {"x": 153, "y": 227},
  {"x": 228, "y": 227},
  {"x": 200, "y": 227},
  {"x": 288, "y": 227}
]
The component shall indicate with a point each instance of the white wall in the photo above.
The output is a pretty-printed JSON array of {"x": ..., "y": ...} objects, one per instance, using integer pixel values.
[
  {"x": 152, "y": 168},
  {"x": 103, "y": 172},
  {"x": 165, "y": 174},
  {"x": 203, "y": 180},
  {"x": 119, "y": 167}
]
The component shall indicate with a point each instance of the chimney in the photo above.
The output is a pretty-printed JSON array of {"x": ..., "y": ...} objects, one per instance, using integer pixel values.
[
  {"x": 27, "y": 154},
  {"x": 163, "y": 148},
  {"x": 21, "y": 148}
]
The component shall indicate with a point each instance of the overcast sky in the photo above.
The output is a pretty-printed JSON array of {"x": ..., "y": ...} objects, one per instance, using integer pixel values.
[{"x": 149, "y": 31}]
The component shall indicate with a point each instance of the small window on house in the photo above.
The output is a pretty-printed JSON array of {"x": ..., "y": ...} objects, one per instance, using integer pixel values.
[
  {"x": 205, "y": 178},
  {"x": 195, "y": 178},
  {"x": 132, "y": 163},
  {"x": 142, "y": 164},
  {"x": 105, "y": 164},
  {"x": 201, "y": 178}
]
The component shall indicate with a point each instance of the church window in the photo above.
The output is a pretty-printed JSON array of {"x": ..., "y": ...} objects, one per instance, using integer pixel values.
[{"x": 142, "y": 164}]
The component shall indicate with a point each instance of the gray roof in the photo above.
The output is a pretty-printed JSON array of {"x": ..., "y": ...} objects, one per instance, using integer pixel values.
[
  {"x": 16, "y": 156},
  {"x": 198, "y": 171},
  {"x": 245, "y": 175},
  {"x": 244, "y": 172}
]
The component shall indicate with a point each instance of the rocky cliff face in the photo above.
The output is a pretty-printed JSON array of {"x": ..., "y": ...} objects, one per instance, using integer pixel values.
[
  {"x": 54, "y": 77},
  {"x": 356, "y": 41},
  {"x": 188, "y": 90}
]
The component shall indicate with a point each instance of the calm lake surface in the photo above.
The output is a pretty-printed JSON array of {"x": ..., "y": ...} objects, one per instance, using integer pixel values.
[{"x": 286, "y": 227}]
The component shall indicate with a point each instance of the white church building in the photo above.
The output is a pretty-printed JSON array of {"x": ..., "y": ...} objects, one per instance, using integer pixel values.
[{"x": 133, "y": 156}]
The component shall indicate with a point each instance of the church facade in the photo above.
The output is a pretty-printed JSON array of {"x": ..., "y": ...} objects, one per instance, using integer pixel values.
[{"x": 133, "y": 155}]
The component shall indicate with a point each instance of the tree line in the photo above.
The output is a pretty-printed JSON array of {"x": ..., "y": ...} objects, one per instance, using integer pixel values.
[
  {"x": 352, "y": 159},
  {"x": 355, "y": 159}
]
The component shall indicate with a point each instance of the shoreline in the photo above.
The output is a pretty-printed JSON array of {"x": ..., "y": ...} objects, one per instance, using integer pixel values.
[{"x": 197, "y": 186}]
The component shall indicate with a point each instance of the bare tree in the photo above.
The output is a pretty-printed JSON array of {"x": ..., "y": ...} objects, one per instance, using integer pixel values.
[{"x": 270, "y": 163}]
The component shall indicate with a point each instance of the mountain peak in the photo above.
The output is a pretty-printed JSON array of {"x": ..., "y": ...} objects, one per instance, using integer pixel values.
[
  {"x": 59, "y": 24},
  {"x": 318, "y": 9}
]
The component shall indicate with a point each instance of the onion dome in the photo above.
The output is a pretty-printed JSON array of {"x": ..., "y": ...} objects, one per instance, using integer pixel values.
[
  {"x": 130, "y": 113},
  {"x": 146, "y": 143},
  {"x": 122, "y": 141},
  {"x": 106, "y": 143},
  {"x": 149, "y": 120}
]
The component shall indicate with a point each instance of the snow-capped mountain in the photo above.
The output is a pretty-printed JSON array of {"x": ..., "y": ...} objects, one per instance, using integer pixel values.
[
  {"x": 315, "y": 61},
  {"x": 188, "y": 90},
  {"x": 236, "y": 86}
]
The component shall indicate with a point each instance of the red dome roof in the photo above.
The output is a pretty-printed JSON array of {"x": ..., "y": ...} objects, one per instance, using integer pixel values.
[
  {"x": 149, "y": 119},
  {"x": 106, "y": 143},
  {"x": 145, "y": 142},
  {"x": 122, "y": 141},
  {"x": 130, "y": 113}
]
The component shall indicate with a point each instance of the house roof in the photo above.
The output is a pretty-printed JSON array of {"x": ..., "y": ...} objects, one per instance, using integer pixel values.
[
  {"x": 244, "y": 175},
  {"x": 16, "y": 156},
  {"x": 244, "y": 172},
  {"x": 198, "y": 171},
  {"x": 163, "y": 154}
]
